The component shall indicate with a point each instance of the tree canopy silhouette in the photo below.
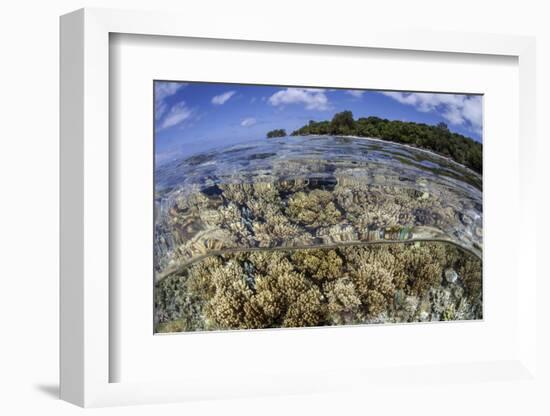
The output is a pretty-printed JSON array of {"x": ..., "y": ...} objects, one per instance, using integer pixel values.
[
  {"x": 276, "y": 133},
  {"x": 438, "y": 139}
]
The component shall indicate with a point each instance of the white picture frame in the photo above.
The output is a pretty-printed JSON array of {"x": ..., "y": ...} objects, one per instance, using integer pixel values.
[{"x": 85, "y": 353}]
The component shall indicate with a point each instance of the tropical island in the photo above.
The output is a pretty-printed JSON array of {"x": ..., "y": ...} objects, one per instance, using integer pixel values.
[
  {"x": 438, "y": 138},
  {"x": 276, "y": 133}
]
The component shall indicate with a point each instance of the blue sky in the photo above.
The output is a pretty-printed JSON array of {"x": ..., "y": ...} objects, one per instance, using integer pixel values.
[{"x": 194, "y": 117}]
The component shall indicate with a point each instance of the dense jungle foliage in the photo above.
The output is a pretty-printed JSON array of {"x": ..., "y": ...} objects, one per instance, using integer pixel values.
[{"x": 439, "y": 138}]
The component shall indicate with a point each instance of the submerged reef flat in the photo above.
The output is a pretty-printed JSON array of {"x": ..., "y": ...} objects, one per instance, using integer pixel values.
[
  {"x": 399, "y": 217},
  {"x": 379, "y": 283},
  {"x": 295, "y": 192}
]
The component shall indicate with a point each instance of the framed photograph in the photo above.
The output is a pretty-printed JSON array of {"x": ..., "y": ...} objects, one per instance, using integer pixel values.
[{"x": 274, "y": 213}]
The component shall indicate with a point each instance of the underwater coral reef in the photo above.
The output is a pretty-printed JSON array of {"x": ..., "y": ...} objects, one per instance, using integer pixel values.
[
  {"x": 315, "y": 231},
  {"x": 356, "y": 284}
]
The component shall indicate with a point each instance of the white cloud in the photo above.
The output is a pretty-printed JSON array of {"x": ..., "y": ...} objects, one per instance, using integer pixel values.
[
  {"x": 164, "y": 90},
  {"x": 314, "y": 99},
  {"x": 472, "y": 110},
  {"x": 355, "y": 93},
  {"x": 457, "y": 109},
  {"x": 177, "y": 114},
  {"x": 247, "y": 122},
  {"x": 222, "y": 98},
  {"x": 160, "y": 109}
]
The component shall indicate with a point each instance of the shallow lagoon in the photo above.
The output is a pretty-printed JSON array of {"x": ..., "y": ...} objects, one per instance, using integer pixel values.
[{"x": 298, "y": 193}]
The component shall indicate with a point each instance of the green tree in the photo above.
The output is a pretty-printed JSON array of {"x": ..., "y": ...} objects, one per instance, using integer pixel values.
[
  {"x": 442, "y": 126},
  {"x": 438, "y": 138},
  {"x": 276, "y": 133},
  {"x": 342, "y": 123}
]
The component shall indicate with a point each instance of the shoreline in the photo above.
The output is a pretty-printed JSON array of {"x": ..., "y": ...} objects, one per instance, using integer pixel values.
[{"x": 376, "y": 139}]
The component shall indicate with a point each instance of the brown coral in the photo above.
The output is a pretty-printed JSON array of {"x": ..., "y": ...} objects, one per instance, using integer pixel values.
[
  {"x": 343, "y": 301},
  {"x": 313, "y": 287},
  {"x": 306, "y": 310},
  {"x": 313, "y": 209},
  {"x": 318, "y": 264}
]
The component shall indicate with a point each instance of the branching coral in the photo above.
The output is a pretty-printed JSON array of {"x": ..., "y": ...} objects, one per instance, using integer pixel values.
[
  {"x": 375, "y": 286},
  {"x": 422, "y": 267},
  {"x": 225, "y": 308},
  {"x": 470, "y": 271},
  {"x": 343, "y": 301},
  {"x": 306, "y": 310},
  {"x": 311, "y": 287},
  {"x": 319, "y": 264},
  {"x": 274, "y": 230},
  {"x": 294, "y": 212},
  {"x": 315, "y": 208}
]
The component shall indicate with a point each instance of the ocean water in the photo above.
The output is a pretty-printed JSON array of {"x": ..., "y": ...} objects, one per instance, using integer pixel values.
[
  {"x": 448, "y": 196},
  {"x": 317, "y": 156}
]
